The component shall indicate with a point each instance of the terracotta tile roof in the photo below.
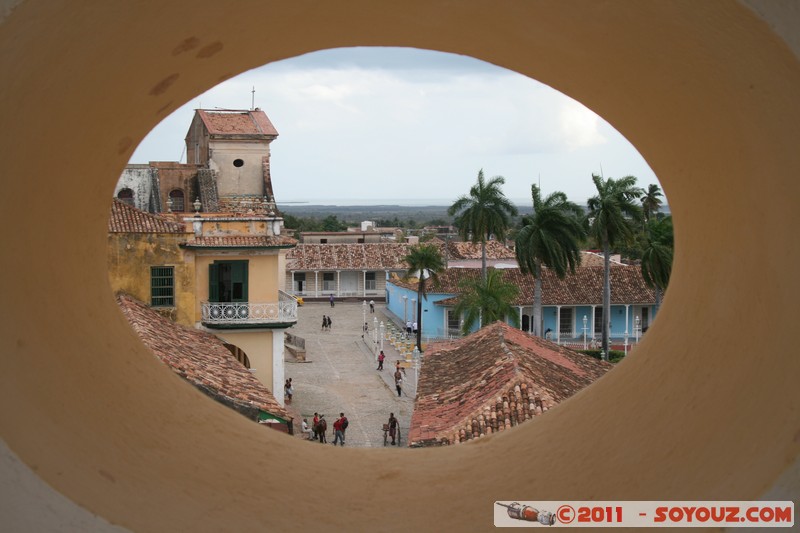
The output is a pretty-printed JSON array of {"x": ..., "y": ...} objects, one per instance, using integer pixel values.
[
  {"x": 241, "y": 241},
  {"x": 492, "y": 380},
  {"x": 595, "y": 259},
  {"x": 127, "y": 219},
  {"x": 583, "y": 287},
  {"x": 237, "y": 122},
  {"x": 201, "y": 359},
  {"x": 376, "y": 256},
  {"x": 469, "y": 250}
]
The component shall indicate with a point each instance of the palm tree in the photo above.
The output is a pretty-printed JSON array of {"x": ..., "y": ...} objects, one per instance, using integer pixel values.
[
  {"x": 484, "y": 212},
  {"x": 425, "y": 261},
  {"x": 657, "y": 256},
  {"x": 486, "y": 301},
  {"x": 613, "y": 216},
  {"x": 651, "y": 201},
  {"x": 551, "y": 237}
]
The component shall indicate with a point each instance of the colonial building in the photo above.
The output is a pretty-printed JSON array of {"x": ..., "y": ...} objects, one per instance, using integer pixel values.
[
  {"x": 491, "y": 381},
  {"x": 571, "y": 308},
  {"x": 343, "y": 270},
  {"x": 210, "y": 253}
]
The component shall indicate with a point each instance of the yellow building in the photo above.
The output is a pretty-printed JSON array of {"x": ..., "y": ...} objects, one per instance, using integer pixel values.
[{"x": 222, "y": 268}]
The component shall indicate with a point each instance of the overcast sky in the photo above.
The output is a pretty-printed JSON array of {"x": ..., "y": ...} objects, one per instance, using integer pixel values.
[{"x": 408, "y": 126}]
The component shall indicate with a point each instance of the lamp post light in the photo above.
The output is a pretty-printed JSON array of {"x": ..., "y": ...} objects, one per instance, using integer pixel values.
[
  {"x": 405, "y": 310},
  {"x": 637, "y": 329},
  {"x": 626, "y": 339},
  {"x": 414, "y": 309},
  {"x": 364, "y": 312},
  {"x": 382, "y": 331},
  {"x": 375, "y": 330},
  {"x": 584, "y": 332},
  {"x": 197, "y": 205}
]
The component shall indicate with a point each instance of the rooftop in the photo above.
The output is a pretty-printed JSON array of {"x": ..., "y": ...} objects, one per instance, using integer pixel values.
[
  {"x": 237, "y": 122},
  {"x": 374, "y": 256},
  {"x": 125, "y": 218},
  {"x": 201, "y": 359},
  {"x": 492, "y": 380}
]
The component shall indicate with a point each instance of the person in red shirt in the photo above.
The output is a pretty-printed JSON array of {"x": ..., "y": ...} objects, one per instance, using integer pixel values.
[{"x": 339, "y": 428}]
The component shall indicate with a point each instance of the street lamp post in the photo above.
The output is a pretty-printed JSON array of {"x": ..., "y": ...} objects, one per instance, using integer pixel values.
[
  {"x": 375, "y": 330},
  {"x": 584, "y": 332},
  {"x": 382, "y": 331},
  {"x": 637, "y": 329},
  {"x": 364, "y": 312},
  {"x": 405, "y": 310}
]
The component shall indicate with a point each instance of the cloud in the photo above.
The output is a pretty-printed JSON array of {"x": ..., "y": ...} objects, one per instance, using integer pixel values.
[{"x": 404, "y": 123}]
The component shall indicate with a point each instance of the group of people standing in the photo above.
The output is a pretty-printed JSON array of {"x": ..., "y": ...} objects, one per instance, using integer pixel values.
[
  {"x": 326, "y": 323},
  {"x": 319, "y": 429}
]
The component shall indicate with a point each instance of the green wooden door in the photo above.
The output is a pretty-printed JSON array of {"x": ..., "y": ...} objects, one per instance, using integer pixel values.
[{"x": 227, "y": 281}]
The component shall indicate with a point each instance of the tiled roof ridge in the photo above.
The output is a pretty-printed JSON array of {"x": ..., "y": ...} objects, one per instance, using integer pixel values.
[{"x": 491, "y": 380}]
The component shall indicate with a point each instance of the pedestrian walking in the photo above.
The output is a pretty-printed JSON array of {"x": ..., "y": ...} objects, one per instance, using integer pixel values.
[
  {"x": 381, "y": 357},
  {"x": 331, "y": 300},
  {"x": 322, "y": 428},
  {"x": 339, "y": 428},
  {"x": 392, "y": 427},
  {"x": 372, "y": 306},
  {"x": 314, "y": 424},
  {"x": 324, "y": 322},
  {"x": 408, "y": 328},
  {"x": 398, "y": 381},
  {"x": 330, "y": 323}
]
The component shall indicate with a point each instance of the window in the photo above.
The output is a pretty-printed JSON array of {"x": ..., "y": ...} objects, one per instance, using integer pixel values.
[
  {"x": 228, "y": 281},
  {"x": 323, "y": 241},
  {"x": 369, "y": 280},
  {"x": 598, "y": 320},
  {"x": 238, "y": 163},
  {"x": 125, "y": 195},
  {"x": 328, "y": 282},
  {"x": 178, "y": 205},
  {"x": 565, "y": 321},
  {"x": 453, "y": 322},
  {"x": 162, "y": 286}
]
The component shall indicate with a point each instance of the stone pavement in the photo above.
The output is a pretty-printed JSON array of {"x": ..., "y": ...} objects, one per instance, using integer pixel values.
[{"x": 339, "y": 374}]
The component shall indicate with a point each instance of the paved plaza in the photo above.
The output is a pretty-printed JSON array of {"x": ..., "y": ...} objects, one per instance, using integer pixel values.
[{"x": 339, "y": 374}]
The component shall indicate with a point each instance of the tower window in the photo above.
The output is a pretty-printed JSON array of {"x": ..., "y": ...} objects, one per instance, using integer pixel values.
[
  {"x": 177, "y": 197},
  {"x": 238, "y": 163},
  {"x": 125, "y": 195}
]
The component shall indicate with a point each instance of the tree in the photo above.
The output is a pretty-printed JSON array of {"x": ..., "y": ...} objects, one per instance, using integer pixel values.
[
  {"x": 657, "y": 256},
  {"x": 426, "y": 262},
  {"x": 613, "y": 218},
  {"x": 484, "y": 212},
  {"x": 486, "y": 301},
  {"x": 551, "y": 236},
  {"x": 651, "y": 201}
]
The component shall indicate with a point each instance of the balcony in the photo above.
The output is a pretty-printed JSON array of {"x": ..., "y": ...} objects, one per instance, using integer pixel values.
[{"x": 228, "y": 315}]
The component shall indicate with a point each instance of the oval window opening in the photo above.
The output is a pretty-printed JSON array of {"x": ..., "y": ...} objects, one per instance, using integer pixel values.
[{"x": 377, "y": 148}]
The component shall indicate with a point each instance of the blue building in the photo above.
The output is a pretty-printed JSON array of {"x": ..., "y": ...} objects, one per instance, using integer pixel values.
[{"x": 571, "y": 308}]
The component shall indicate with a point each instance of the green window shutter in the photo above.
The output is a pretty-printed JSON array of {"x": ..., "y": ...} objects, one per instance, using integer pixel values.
[
  {"x": 213, "y": 283},
  {"x": 162, "y": 286},
  {"x": 239, "y": 279}
]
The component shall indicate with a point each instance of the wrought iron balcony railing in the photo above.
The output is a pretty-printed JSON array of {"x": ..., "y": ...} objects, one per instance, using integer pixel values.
[{"x": 228, "y": 314}]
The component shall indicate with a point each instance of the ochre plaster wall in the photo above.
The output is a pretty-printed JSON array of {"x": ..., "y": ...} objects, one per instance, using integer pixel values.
[
  {"x": 706, "y": 409},
  {"x": 130, "y": 256},
  {"x": 258, "y": 347}
]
